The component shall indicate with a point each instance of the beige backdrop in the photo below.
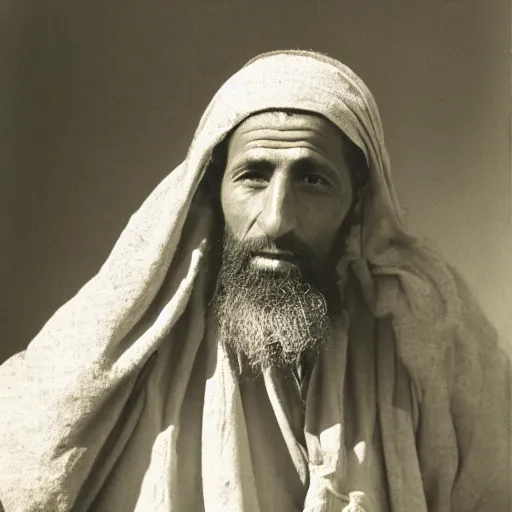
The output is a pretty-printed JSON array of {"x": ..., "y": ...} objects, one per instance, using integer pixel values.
[{"x": 98, "y": 101}]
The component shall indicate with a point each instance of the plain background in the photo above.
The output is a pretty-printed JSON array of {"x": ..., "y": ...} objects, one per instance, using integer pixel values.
[{"x": 99, "y": 100}]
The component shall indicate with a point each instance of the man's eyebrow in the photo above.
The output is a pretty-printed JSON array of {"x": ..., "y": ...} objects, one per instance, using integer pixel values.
[{"x": 252, "y": 163}]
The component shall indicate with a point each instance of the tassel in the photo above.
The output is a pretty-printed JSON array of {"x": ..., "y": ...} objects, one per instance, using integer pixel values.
[{"x": 356, "y": 503}]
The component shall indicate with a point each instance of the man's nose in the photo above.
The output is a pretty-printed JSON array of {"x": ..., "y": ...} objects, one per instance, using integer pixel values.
[{"x": 278, "y": 216}]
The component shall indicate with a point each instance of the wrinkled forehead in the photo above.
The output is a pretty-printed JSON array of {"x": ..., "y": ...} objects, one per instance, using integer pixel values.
[
  {"x": 282, "y": 129},
  {"x": 291, "y": 122}
]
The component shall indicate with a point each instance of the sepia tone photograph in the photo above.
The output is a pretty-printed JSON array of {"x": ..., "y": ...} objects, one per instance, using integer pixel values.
[{"x": 256, "y": 256}]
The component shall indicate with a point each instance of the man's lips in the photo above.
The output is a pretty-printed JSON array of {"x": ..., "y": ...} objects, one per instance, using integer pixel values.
[
  {"x": 276, "y": 255},
  {"x": 280, "y": 261}
]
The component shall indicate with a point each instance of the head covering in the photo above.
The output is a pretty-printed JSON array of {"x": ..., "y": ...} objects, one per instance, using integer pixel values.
[{"x": 125, "y": 402}]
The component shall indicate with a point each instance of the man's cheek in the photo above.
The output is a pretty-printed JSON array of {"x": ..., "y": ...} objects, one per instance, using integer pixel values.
[
  {"x": 321, "y": 247},
  {"x": 239, "y": 220}
]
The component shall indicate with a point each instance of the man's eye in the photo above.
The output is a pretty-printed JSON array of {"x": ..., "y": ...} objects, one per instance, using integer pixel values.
[
  {"x": 315, "y": 180},
  {"x": 254, "y": 176}
]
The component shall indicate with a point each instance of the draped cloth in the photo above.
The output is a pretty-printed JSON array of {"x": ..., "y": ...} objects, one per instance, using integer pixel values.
[{"x": 125, "y": 400}]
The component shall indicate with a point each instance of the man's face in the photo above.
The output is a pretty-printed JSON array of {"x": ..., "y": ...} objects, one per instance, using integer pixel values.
[
  {"x": 286, "y": 177},
  {"x": 285, "y": 193}
]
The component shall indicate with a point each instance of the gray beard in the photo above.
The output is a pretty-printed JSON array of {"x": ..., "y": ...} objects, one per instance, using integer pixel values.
[{"x": 269, "y": 319}]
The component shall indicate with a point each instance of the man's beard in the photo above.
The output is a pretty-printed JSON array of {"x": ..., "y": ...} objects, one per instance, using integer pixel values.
[{"x": 268, "y": 318}]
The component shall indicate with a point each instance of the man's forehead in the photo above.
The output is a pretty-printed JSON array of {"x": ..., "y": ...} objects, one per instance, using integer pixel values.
[
  {"x": 281, "y": 129},
  {"x": 285, "y": 120}
]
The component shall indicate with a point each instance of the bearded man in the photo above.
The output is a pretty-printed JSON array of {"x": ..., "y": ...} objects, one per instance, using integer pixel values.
[{"x": 266, "y": 335}]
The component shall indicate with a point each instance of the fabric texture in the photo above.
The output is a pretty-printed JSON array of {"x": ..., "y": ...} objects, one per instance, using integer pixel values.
[{"x": 124, "y": 400}]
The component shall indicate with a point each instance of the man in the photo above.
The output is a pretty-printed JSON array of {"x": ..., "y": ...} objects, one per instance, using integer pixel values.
[{"x": 265, "y": 335}]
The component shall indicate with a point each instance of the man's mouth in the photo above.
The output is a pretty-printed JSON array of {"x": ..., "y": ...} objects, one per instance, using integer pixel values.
[{"x": 279, "y": 261}]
